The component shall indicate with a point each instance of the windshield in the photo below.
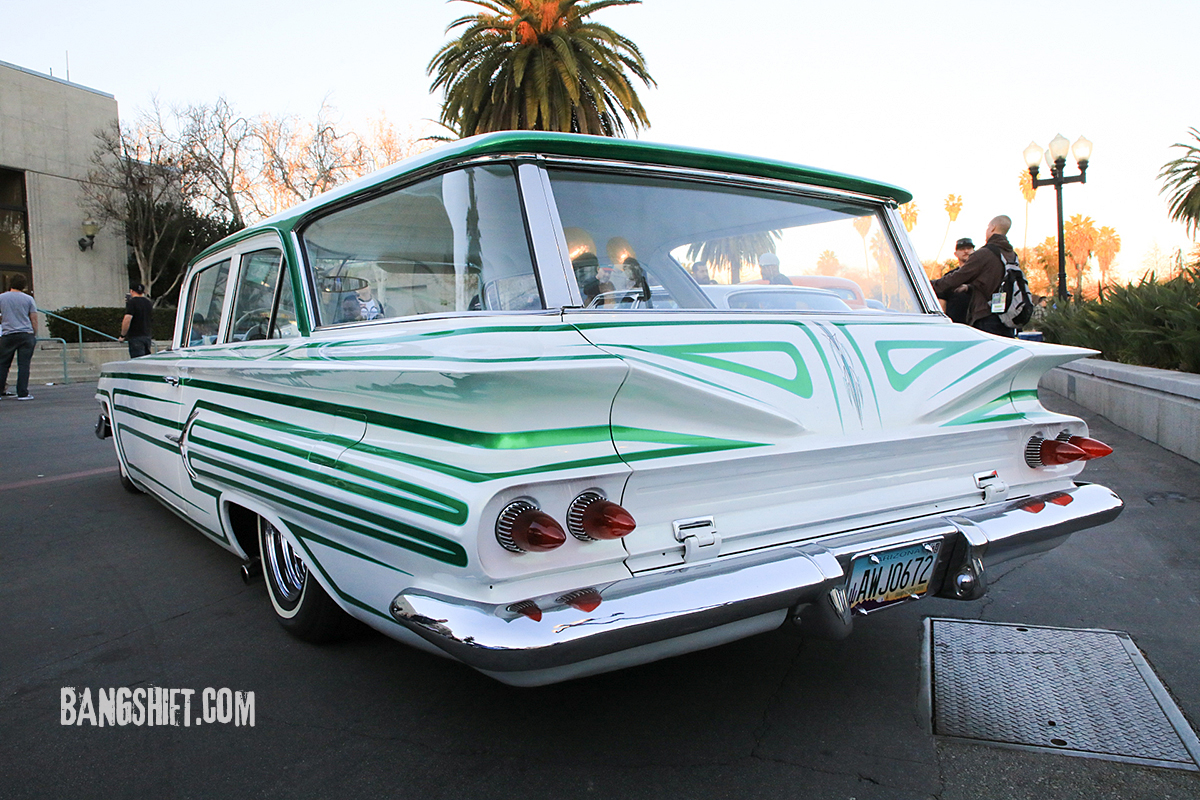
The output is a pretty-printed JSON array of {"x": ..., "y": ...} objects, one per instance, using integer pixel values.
[{"x": 639, "y": 242}]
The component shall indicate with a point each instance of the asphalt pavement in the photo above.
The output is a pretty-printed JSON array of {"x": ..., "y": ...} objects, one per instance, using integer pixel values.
[{"x": 102, "y": 589}]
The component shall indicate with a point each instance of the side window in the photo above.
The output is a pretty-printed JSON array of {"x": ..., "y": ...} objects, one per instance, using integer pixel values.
[
  {"x": 452, "y": 243},
  {"x": 205, "y": 300},
  {"x": 255, "y": 297},
  {"x": 284, "y": 324}
]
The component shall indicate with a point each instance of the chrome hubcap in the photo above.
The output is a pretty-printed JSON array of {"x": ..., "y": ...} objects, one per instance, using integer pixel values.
[{"x": 284, "y": 567}]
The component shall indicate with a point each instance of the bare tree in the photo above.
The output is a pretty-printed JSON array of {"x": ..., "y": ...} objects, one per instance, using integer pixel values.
[
  {"x": 220, "y": 147},
  {"x": 301, "y": 160},
  {"x": 138, "y": 178}
]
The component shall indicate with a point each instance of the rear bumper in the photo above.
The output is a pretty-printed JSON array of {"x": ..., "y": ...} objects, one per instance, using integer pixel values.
[{"x": 644, "y": 610}]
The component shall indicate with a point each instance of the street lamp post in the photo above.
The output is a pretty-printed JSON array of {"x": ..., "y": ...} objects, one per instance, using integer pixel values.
[{"x": 1056, "y": 159}]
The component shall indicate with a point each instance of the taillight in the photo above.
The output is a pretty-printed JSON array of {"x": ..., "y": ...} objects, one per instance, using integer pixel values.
[
  {"x": 1061, "y": 499},
  {"x": 583, "y": 599},
  {"x": 1094, "y": 448},
  {"x": 528, "y": 608},
  {"x": 591, "y": 517},
  {"x": 1041, "y": 452},
  {"x": 1034, "y": 506},
  {"x": 523, "y": 527}
]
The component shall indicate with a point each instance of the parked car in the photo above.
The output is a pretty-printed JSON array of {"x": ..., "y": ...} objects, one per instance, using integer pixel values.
[
  {"x": 744, "y": 297},
  {"x": 399, "y": 398}
]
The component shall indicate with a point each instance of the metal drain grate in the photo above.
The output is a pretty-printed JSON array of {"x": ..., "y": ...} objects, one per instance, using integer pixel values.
[{"x": 1078, "y": 692}]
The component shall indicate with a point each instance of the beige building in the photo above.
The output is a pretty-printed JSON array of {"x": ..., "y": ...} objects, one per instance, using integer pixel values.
[{"x": 47, "y": 136}]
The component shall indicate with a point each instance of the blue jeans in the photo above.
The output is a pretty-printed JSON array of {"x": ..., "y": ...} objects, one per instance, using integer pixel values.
[{"x": 22, "y": 346}]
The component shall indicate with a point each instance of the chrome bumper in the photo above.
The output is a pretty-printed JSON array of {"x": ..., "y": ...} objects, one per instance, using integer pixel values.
[{"x": 650, "y": 608}]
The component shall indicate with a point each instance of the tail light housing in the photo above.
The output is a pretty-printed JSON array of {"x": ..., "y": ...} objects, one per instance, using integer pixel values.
[
  {"x": 1042, "y": 452},
  {"x": 591, "y": 517},
  {"x": 522, "y": 527}
]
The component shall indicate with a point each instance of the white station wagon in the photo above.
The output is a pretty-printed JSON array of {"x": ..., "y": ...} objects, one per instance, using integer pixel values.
[{"x": 406, "y": 401}]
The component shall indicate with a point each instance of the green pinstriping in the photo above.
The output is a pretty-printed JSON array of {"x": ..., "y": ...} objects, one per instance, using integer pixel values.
[
  {"x": 301, "y": 534},
  {"x": 984, "y": 413},
  {"x": 421, "y": 542},
  {"x": 147, "y": 476},
  {"x": 452, "y": 510},
  {"x": 333, "y": 545},
  {"x": 147, "y": 437},
  {"x": 983, "y": 364},
  {"x": 163, "y": 421},
  {"x": 139, "y": 395},
  {"x": 901, "y": 381}
]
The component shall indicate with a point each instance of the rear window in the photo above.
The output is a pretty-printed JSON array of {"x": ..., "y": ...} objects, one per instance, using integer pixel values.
[{"x": 640, "y": 242}]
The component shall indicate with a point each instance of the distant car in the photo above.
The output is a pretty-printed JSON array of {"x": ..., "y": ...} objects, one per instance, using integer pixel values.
[
  {"x": 848, "y": 290},
  {"x": 778, "y": 298},
  {"x": 477, "y": 402}
]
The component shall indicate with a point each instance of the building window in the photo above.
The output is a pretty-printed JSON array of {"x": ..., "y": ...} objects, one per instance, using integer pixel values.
[{"x": 14, "y": 230}]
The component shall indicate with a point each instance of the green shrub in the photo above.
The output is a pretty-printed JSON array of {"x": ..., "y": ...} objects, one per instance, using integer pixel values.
[
  {"x": 1151, "y": 324},
  {"x": 106, "y": 320}
]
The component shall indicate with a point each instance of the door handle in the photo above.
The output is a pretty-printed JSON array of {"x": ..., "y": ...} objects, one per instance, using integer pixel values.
[{"x": 172, "y": 380}]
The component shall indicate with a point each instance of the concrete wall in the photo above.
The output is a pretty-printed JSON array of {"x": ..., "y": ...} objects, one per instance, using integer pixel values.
[
  {"x": 1156, "y": 404},
  {"x": 47, "y": 130}
]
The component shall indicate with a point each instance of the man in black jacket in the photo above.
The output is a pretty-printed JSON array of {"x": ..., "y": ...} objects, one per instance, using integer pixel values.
[
  {"x": 983, "y": 272},
  {"x": 136, "y": 324}
]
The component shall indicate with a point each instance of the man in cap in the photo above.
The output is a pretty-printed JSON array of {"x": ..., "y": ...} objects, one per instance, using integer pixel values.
[
  {"x": 958, "y": 300},
  {"x": 768, "y": 265}
]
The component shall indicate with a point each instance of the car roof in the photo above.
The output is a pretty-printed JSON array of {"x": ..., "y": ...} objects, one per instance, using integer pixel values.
[{"x": 578, "y": 145}]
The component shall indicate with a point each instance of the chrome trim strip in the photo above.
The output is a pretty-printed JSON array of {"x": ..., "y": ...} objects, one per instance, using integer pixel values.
[
  {"x": 663, "y": 605},
  {"x": 549, "y": 243}
]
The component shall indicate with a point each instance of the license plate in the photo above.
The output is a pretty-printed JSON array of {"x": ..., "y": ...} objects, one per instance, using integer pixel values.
[{"x": 891, "y": 576}]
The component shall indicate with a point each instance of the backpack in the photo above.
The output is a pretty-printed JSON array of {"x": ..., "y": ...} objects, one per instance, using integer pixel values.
[{"x": 1013, "y": 292}]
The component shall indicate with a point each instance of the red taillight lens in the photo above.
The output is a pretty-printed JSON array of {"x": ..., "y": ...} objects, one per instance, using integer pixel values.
[
  {"x": 528, "y": 608},
  {"x": 1093, "y": 448},
  {"x": 591, "y": 517},
  {"x": 1054, "y": 452},
  {"x": 537, "y": 532},
  {"x": 1034, "y": 506},
  {"x": 605, "y": 519},
  {"x": 1062, "y": 499},
  {"x": 522, "y": 527},
  {"x": 584, "y": 599}
]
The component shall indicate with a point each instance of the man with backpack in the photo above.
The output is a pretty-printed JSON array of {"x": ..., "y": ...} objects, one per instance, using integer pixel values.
[{"x": 999, "y": 299}]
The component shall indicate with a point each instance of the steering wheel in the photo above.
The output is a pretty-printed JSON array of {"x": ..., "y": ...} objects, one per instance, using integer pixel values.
[{"x": 263, "y": 315}]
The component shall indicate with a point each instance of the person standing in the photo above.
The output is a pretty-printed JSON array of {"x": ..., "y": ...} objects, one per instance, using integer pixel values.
[
  {"x": 136, "y": 324},
  {"x": 18, "y": 336},
  {"x": 958, "y": 301},
  {"x": 768, "y": 265},
  {"x": 984, "y": 273}
]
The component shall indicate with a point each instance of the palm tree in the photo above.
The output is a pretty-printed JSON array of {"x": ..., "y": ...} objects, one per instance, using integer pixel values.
[
  {"x": 1181, "y": 177},
  {"x": 734, "y": 252},
  {"x": 1108, "y": 244},
  {"x": 1028, "y": 191},
  {"x": 953, "y": 205},
  {"x": 539, "y": 65},
  {"x": 1079, "y": 236},
  {"x": 908, "y": 215}
]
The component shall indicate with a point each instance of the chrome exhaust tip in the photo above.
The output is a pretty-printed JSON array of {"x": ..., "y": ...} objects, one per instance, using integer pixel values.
[{"x": 251, "y": 571}]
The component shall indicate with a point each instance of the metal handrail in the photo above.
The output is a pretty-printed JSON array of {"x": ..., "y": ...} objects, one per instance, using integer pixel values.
[
  {"x": 63, "y": 351},
  {"x": 80, "y": 327}
]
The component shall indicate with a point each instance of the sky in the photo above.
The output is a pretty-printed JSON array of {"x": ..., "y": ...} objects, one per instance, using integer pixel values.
[{"x": 936, "y": 97}]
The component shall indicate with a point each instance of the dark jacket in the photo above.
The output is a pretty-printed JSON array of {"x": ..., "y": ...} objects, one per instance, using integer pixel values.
[{"x": 983, "y": 272}]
